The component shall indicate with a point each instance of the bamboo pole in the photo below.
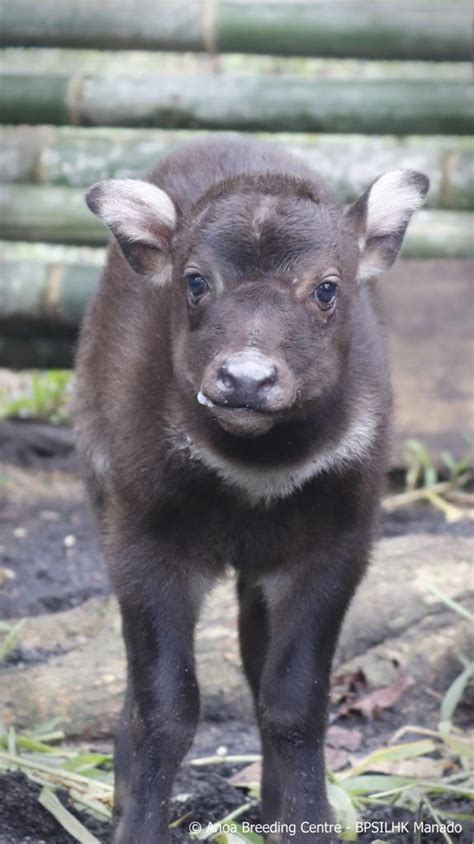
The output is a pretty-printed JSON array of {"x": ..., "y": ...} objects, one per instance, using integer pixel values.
[
  {"x": 60, "y": 215},
  {"x": 77, "y": 157},
  {"x": 54, "y": 294},
  {"x": 51, "y": 214},
  {"x": 246, "y": 102},
  {"x": 419, "y": 29}
]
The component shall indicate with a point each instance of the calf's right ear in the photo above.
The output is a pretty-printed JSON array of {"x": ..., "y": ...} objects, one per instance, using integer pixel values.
[{"x": 142, "y": 218}]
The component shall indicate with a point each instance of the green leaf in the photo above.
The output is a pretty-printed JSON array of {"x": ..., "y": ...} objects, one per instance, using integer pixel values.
[
  {"x": 449, "y": 461},
  {"x": 407, "y": 750},
  {"x": 373, "y": 783},
  {"x": 50, "y": 727},
  {"x": 28, "y": 744},
  {"x": 87, "y": 761},
  {"x": 431, "y": 476},
  {"x": 345, "y": 811},
  {"x": 454, "y": 695},
  {"x": 11, "y": 639},
  {"x": 462, "y": 746},
  {"x": 71, "y": 824},
  {"x": 451, "y": 603}
]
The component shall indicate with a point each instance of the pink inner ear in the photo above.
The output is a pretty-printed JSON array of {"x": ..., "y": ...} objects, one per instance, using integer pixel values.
[{"x": 159, "y": 232}]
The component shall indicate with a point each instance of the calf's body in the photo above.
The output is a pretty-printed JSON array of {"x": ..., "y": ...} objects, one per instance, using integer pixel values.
[{"x": 232, "y": 409}]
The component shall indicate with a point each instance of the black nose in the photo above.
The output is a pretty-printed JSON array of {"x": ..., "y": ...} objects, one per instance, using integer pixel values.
[{"x": 246, "y": 379}]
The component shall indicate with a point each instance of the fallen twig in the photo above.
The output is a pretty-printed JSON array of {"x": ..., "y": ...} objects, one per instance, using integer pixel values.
[
  {"x": 219, "y": 760},
  {"x": 404, "y": 499}
]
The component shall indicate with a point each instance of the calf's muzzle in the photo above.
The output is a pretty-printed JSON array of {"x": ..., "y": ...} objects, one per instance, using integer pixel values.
[{"x": 248, "y": 380}]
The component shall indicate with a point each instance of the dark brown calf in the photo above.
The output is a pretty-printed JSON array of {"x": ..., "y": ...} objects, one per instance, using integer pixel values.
[{"x": 232, "y": 407}]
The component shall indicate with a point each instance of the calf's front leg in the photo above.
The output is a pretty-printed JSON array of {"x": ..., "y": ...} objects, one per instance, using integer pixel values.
[
  {"x": 159, "y": 609},
  {"x": 305, "y": 613},
  {"x": 253, "y": 635}
]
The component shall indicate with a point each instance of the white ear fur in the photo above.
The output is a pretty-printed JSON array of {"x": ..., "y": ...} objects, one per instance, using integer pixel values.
[
  {"x": 392, "y": 200},
  {"x": 132, "y": 208},
  {"x": 381, "y": 217},
  {"x": 143, "y": 219}
]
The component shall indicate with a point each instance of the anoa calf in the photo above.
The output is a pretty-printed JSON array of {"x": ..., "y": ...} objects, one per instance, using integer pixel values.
[{"x": 232, "y": 408}]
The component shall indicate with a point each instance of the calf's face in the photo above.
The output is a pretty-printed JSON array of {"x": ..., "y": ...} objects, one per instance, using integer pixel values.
[{"x": 263, "y": 275}]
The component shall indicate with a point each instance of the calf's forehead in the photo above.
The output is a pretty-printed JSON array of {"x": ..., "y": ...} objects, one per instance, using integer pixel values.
[{"x": 248, "y": 234}]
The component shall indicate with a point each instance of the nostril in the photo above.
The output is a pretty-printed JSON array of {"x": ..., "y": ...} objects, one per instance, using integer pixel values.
[
  {"x": 225, "y": 379},
  {"x": 267, "y": 383}
]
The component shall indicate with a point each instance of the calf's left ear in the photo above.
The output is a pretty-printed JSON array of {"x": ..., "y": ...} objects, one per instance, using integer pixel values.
[
  {"x": 381, "y": 216},
  {"x": 142, "y": 218}
]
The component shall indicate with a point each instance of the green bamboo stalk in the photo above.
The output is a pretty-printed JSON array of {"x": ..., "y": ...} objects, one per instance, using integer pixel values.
[
  {"x": 440, "y": 234},
  {"x": 78, "y": 157},
  {"x": 54, "y": 294},
  {"x": 246, "y": 102},
  {"x": 52, "y": 214},
  {"x": 59, "y": 215},
  {"x": 420, "y": 29},
  {"x": 41, "y": 305},
  {"x": 68, "y": 60}
]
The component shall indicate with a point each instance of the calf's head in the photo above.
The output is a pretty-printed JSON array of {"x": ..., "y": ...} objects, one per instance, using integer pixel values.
[{"x": 263, "y": 276}]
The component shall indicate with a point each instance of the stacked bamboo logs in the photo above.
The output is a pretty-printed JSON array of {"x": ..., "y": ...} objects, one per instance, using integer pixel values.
[{"x": 350, "y": 124}]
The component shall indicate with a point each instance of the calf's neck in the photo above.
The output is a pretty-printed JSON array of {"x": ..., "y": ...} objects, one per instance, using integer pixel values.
[{"x": 232, "y": 409}]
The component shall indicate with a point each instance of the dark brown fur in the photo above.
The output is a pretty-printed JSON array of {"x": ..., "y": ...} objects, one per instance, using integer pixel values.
[{"x": 259, "y": 225}]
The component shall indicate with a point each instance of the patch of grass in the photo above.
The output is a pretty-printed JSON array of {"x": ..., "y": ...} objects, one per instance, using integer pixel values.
[
  {"x": 43, "y": 396},
  {"x": 85, "y": 776},
  {"x": 421, "y": 466},
  {"x": 422, "y": 482}
]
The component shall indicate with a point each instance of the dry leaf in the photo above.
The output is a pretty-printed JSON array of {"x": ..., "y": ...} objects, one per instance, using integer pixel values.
[
  {"x": 373, "y": 704},
  {"x": 342, "y": 737},
  {"x": 247, "y": 777},
  {"x": 422, "y": 767}
]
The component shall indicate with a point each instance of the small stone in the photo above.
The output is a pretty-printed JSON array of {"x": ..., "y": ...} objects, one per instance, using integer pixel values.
[
  {"x": 20, "y": 532},
  {"x": 69, "y": 541},
  {"x": 222, "y": 750},
  {"x": 182, "y": 798},
  {"x": 6, "y": 574}
]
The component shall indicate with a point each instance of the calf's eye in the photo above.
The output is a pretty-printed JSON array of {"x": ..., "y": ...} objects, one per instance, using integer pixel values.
[
  {"x": 197, "y": 287},
  {"x": 325, "y": 294}
]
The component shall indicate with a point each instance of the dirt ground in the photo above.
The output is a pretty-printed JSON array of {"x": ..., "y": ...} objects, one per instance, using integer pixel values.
[{"x": 50, "y": 561}]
